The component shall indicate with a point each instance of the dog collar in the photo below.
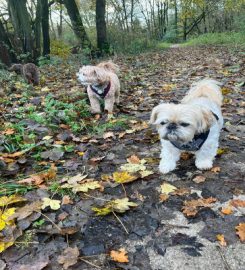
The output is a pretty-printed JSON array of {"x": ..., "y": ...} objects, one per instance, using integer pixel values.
[
  {"x": 103, "y": 92},
  {"x": 197, "y": 141}
]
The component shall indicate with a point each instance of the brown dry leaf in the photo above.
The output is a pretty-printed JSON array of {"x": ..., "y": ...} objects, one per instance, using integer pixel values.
[
  {"x": 109, "y": 134},
  {"x": 26, "y": 210},
  {"x": 14, "y": 155},
  {"x": 215, "y": 169},
  {"x": 62, "y": 216},
  {"x": 227, "y": 210},
  {"x": 221, "y": 239},
  {"x": 39, "y": 178},
  {"x": 8, "y": 131},
  {"x": 241, "y": 231},
  {"x": 237, "y": 203},
  {"x": 181, "y": 191},
  {"x": 232, "y": 137},
  {"x": 163, "y": 197},
  {"x": 133, "y": 159},
  {"x": 191, "y": 207},
  {"x": 119, "y": 256},
  {"x": 69, "y": 257},
  {"x": 199, "y": 179},
  {"x": 66, "y": 200}
]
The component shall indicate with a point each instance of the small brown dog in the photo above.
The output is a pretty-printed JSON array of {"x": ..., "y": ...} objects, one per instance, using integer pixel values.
[
  {"x": 29, "y": 71},
  {"x": 102, "y": 84}
]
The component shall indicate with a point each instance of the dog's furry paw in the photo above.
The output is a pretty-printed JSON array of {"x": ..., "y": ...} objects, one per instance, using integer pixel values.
[
  {"x": 166, "y": 167},
  {"x": 204, "y": 164}
]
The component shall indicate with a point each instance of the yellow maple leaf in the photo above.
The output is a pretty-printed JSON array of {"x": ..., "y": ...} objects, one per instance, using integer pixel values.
[
  {"x": 53, "y": 204},
  {"x": 4, "y": 201},
  {"x": 4, "y": 216},
  {"x": 145, "y": 173},
  {"x": 86, "y": 186},
  {"x": 123, "y": 177},
  {"x": 132, "y": 168},
  {"x": 119, "y": 256},
  {"x": 118, "y": 205},
  {"x": 167, "y": 188},
  {"x": 5, "y": 245}
]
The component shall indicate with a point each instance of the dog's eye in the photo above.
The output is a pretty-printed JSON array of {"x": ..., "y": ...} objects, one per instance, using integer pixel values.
[
  {"x": 183, "y": 124},
  {"x": 163, "y": 123}
]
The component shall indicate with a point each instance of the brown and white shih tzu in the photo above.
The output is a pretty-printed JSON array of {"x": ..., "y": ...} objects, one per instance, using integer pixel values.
[
  {"x": 102, "y": 84},
  {"x": 193, "y": 125}
]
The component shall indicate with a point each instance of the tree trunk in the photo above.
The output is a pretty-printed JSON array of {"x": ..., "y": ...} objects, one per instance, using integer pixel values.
[
  {"x": 7, "y": 55},
  {"x": 60, "y": 25},
  {"x": 45, "y": 27},
  {"x": 101, "y": 26},
  {"x": 22, "y": 25},
  {"x": 38, "y": 30},
  {"x": 77, "y": 23},
  {"x": 176, "y": 18}
]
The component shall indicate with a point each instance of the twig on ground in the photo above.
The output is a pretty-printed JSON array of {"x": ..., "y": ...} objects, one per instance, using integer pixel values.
[
  {"x": 227, "y": 266},
  {"x": 49, "y": 220},
  {"x": 88, "y": 262},
  {"x": 120, "y": 222}
]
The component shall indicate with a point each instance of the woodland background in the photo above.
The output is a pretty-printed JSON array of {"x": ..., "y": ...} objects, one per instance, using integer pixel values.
[{"x": 32, "y": 30}]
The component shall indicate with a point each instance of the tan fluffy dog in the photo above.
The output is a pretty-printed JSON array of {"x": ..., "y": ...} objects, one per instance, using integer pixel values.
[{"x": 102, "y": 84}]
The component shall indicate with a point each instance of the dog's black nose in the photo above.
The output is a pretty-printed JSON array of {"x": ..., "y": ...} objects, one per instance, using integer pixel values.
[{"x": 172, "y": 126}]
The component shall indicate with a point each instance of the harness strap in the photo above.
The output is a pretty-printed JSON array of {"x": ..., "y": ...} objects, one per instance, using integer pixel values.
[
  {"x": 197, "y": 142},
  {"x": 104, "y": 91}
]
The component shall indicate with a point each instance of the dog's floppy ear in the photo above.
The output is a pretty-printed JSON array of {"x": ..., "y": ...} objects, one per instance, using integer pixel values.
[
  {"x": 206, "y": 120},
  {"x": 155, "y": 113}
]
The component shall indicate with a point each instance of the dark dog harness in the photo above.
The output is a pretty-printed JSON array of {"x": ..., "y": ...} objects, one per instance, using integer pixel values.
[
  {"x": 196, "y": 143},
  {"x": 103, "y": 92}
]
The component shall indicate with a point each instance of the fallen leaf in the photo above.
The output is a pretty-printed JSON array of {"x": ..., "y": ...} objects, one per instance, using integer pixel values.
[
  {"x": 232, "y": 137},
  {"x": 46, "y": 138},
  {"x": 118, "y": 205},
  {"x": 199, "y": 179},
  {"x": 191, "y": 207},
  {"x": 222, "y": 151},
  {"x": 221, "y": 239},
  {"x": 241, "y": 231},
  {"x": 186, "y": 156},
  {"x": 108, "y": 135},
  {"x": 133, "y": 159},
  {"x": 86, "y": 186},
  {"x": 69, "y": 257},
  {"x": 133, "y": 168},
  {"x": 181, "y": 191},
  {"x": 4, "y": 201},
  {"x": 163, "y": 197},
  {"x": 227, "y": 210},
  {"x": 167, "y": 188},
  {"x": 237, "y": 203},
  {"x": 66, "y": 200},
  {"x": 123, "y": 177},
  {"x": 14, "y": 155},
  {"x": 53, "y": 204},
  {"x": 27, "y": 210},
  {"x": 8, "y": 131},
  {"x": 119, "y": 256},
  {"x": 215, "y": 169},
  {"x": 145, "y": 173},
  {"x": 4, "y": 217},
  {"x": 5, "y": 245}
]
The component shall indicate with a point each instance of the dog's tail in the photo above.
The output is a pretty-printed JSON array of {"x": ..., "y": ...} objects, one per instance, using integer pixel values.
[
  {"x": 109, "y": 66},
  {"x": 207, "y": 88}
]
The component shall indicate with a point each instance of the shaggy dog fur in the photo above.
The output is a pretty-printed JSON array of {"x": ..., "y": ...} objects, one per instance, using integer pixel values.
[
  {"x": 197, "y": 115},
  {"x": 102, "y": 84},
  {"x": 29, "y": 71}
]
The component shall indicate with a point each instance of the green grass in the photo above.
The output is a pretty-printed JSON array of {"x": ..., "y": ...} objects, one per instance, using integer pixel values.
[
  {"x": 163, "y": 45},
  {"x": 228, "y": 38}
]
